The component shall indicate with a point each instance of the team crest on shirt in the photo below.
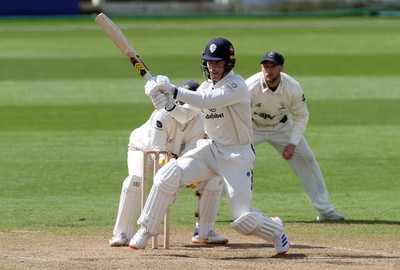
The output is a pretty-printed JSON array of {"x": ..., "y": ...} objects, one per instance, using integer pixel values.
[
  {"x": 258, "y": 105},
  {"x": 282, "y": 106}
]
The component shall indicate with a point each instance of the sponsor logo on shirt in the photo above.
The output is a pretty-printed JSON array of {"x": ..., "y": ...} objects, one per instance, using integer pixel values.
[
  {"x": 213, "y": 114},
  {"x": 265, "y": 115}
]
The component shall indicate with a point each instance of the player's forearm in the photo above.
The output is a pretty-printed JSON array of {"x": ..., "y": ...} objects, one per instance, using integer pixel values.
[{"x": 299, "y": 127}]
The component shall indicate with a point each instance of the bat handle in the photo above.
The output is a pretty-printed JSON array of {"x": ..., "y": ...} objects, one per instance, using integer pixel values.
[{"x": 148, "y": 76}]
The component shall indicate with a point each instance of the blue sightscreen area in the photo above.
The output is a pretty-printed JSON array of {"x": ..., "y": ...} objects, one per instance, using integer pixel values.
[{"x": 38, "y": 7}]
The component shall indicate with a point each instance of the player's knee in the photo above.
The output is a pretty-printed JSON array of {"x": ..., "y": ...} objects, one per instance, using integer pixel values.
[
  {"x": 309, "y": 159},
  {"x": 308, "y": 156},
  {"x": 248, "y": 223},
  {"x": 214, "y": 185},
  {"x": 168, "y": 177},
  {"x": 132, "y": 184}
]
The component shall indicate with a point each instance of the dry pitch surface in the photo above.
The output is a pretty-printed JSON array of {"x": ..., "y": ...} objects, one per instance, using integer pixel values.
[{"x": 38, "y": 250}]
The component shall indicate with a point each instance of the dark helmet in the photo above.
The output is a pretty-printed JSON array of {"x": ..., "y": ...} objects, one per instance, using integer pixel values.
[
  {"x": 189, "y": 85},
  {"x": 219, "y": 49}
]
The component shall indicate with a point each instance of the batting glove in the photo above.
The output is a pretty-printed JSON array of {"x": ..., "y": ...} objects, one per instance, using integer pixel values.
[
  {"x": 165, "y": 86},
  {"x": 161, "y": 100},
  {"x": 161, "y": 79},
  {"x": 159, "y": 83},
  {"x": 151, "y": 88}
]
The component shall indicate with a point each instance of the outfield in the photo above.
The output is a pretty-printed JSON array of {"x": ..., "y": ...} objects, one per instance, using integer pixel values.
[{"x": 69, "y": 100}]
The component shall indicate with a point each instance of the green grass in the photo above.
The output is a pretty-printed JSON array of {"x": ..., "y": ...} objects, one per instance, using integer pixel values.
[{"x": 69, "y": 100}]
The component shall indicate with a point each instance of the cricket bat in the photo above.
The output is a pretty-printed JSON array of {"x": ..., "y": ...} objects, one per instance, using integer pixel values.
[{"x": 123, "y": 45}]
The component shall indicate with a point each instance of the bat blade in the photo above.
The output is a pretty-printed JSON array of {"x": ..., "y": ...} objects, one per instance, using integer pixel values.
[{"x": 123, "y": 45}]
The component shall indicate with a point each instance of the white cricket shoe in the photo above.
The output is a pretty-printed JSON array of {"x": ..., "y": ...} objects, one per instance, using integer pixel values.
[
  {"x": 281, "y": 244},
  {"x": 330, "y": 216},
  {"x": 119, "y": 240},
  {"x": 212, "y": 239},
  {"x": 139, "y": 240}
]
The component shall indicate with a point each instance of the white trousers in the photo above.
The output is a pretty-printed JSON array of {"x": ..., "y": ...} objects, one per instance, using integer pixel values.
[
  {"x": 303, "y": 163},
  {"x": 233, "y": 164}
]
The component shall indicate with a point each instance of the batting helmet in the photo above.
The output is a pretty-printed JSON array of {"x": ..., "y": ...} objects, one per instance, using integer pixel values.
[{"x": 219, "y": 49}]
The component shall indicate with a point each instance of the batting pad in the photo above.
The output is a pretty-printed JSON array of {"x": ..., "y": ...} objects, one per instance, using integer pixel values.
[
  {"x": 156, "y": 205},
  {"x": 129, "y": 206},
  {"x": 257, "y": 224},
  {"x": 162, "y": 194},
  {"x": 209, "y": 205}
]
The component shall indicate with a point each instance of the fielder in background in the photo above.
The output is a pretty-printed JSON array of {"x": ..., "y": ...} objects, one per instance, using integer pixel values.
[
  {"x": 280, "y": 117},
  {"x": 163, "y": 133},
  {"x": 227, "y": 153}
]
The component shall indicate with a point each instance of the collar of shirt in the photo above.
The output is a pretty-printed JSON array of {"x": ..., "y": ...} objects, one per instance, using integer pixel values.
[
  {"x": 265, "y": 88},
  {"x": 224, "y": 79}
]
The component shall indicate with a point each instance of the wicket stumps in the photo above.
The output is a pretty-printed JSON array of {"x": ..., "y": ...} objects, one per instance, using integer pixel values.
[{"x": 155, "y": 155}]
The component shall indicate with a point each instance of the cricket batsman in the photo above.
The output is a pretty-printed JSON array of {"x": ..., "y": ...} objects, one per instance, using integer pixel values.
[{"x": 228, "y": 153}]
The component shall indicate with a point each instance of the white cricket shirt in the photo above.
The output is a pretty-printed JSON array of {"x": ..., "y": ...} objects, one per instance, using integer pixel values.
[
  {"x": 226, "y": 107},
  {"x": 269, "y": 107}
]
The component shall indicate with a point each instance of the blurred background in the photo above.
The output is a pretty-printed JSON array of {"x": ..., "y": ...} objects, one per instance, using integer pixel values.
[{"x": 197, "y": 7}]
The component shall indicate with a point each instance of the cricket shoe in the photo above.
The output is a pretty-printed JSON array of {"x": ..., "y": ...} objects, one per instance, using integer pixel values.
[
  {"x": 119, "y": 240},
  {"x": 196, "y": 230},
  {"x": 330, "y": 216},
  {"x": 281, "y": 244},
  {"x": 212, "y": 239},
  {"x": 139, "y": 240}
]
